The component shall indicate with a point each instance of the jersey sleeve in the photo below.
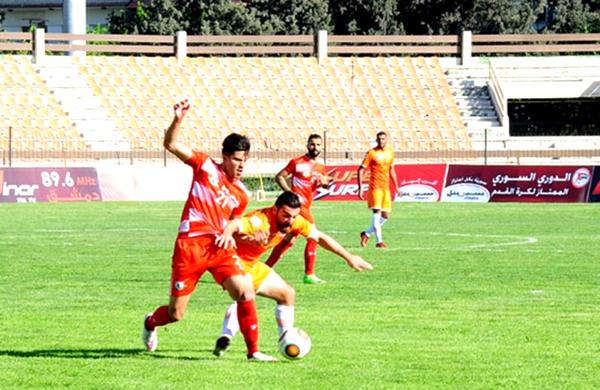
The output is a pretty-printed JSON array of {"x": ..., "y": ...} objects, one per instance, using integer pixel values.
[
  {"x": 253, "y": 222},
  {"x": 304, "y": 228},
  {"x": 196, "y": 160},
  {"x": 367, "y": 160},
  {"x": 290, "y": 168}
]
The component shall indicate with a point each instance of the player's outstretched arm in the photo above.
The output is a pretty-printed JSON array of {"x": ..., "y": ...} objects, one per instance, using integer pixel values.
[
  {"x": 355, "y": 262},
  {"x": 170, "y": 142}
]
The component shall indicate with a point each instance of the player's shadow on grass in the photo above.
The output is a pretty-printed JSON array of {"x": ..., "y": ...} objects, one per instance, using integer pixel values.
[{"x": 107, "y": 353}]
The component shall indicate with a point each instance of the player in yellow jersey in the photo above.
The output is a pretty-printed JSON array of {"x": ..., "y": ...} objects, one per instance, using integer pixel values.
[
  {"x": 256, "y": 233},
  {"x": 380, "y": 161}
]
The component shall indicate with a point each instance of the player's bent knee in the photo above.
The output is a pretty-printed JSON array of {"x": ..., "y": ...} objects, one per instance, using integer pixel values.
[
  {"x": 289, "y": 297},
  {"x": 245, "y": 295}
]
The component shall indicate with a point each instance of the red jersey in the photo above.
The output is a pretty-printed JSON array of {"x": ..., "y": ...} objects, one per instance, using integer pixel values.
[
  {"x": 306, "y": 177},
  {"x": 213, "y": 199}
]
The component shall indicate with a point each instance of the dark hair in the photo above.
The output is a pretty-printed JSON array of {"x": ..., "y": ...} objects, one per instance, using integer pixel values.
[
  {"x": 381, "y": 133},
  {"x": 288, "y": 198},
  {"x": 235, "y": 142},
  {"x": 313, "y": 136}
]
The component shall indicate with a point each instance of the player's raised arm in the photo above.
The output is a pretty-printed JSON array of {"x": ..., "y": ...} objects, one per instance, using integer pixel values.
[
  {"x": 355, "y": 262},
  {"x": 170, "y": 142}
]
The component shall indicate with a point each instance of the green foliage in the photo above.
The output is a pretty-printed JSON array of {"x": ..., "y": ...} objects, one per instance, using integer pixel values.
[
  {"x": 572, "y": 16},
  {"x": 366, "y": 17},
  {"x": 357, "y": 17},
  {"x": 294, "y": 17},
  {"x": 222, "y": 17},
  {"x": 463, "y": 299},
  {"x": 266, "y": 183},
  {"x": 98, "y": 29},
  {"x": 501, "y": 17},
  {"x": 424, "y": 17},
  {"x": 161, "y": 17}
]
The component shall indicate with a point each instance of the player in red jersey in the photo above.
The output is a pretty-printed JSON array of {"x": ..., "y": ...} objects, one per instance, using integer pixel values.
[
  {"x": 307, "y": 174},
  {"x": 216, "y": 196},
  {"x": 380, "y": 161},
  {"x": 257, "y": 232}
]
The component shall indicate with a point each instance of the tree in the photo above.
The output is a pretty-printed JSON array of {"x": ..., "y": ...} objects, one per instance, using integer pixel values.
[
  {"x": 293, "y": 17},
  {"x": 362, "y": 17},
  {"x": 426, "y": 17},
  {"x": 162, "y": 17},
  {"x": 220, "y": 17},
  {"x": 502, "y": 16},
  {"x": 572, "y": 16}
]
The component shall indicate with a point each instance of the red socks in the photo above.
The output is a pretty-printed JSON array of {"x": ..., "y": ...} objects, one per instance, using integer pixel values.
[
  {"x": 277, "y": 252},
  {"x": 158, "y": 318},
  {"x": 248, "y": 319},
  {"x": 310, "y": 256}
]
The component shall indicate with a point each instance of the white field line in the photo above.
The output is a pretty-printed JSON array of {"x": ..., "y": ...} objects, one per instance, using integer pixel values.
[
  {"x": 87, "y": 230},
  {"x": 514, "y": 240}
]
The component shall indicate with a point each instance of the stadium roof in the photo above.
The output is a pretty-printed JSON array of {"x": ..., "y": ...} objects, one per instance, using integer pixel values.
[{"x": 59, "y": 3}]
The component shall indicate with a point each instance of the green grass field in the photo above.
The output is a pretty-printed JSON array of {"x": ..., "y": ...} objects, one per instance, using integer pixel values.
[{"x": 467, "y": 296}]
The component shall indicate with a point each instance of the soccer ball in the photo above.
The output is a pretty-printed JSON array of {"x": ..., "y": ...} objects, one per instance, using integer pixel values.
[{"x": 294, "y": 343}]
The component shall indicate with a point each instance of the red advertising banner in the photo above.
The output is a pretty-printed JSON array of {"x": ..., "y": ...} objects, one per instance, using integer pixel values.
[
  {"x": 345, "y": 186},
  {"x": 24, "y": 185},
  {"x": 494, "y": 183},
  {"x": 416, "y": 183},
  {"x": 420, "y": 183}
]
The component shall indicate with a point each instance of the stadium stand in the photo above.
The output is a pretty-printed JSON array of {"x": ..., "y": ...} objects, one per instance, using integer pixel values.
[
  {"x": 278, "y": 101},
  {"x": 29, "y": 108}
]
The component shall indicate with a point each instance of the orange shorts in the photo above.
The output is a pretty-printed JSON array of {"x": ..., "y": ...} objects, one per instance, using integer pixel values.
[
  {"x": 306, "y": 214},
  {"x": 193, "y": 256},
  {"x": 379, "y": 199}
]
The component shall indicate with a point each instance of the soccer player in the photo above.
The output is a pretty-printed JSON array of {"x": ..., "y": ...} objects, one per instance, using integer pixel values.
[
  {"x": 307, "y": 174},
  {"x": 259, "y": 231},
  {"x": 216, "y": 196},
  {"x": 380, "y": 161}
]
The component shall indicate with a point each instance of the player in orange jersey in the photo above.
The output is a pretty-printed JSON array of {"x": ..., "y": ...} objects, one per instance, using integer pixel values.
[
  {"x": 380, "y": 161},
  {"x": 307, "y": 174},
  {"x": 257, "y": 232},
  {"x": 216, "y": 196}
]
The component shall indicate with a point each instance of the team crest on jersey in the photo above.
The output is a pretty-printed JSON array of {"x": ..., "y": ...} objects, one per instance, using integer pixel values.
[
  {"x": 179, "y": 285},
  {"x": 255, "y": 221}
]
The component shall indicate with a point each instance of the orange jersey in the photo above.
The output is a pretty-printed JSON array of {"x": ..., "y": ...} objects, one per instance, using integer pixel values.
[
  {"x": 213, "y": 199},
  {"x": 379, "y": 162},
  {"x": 306, "y": 177},
  {"x": 264, "y": 220}
]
